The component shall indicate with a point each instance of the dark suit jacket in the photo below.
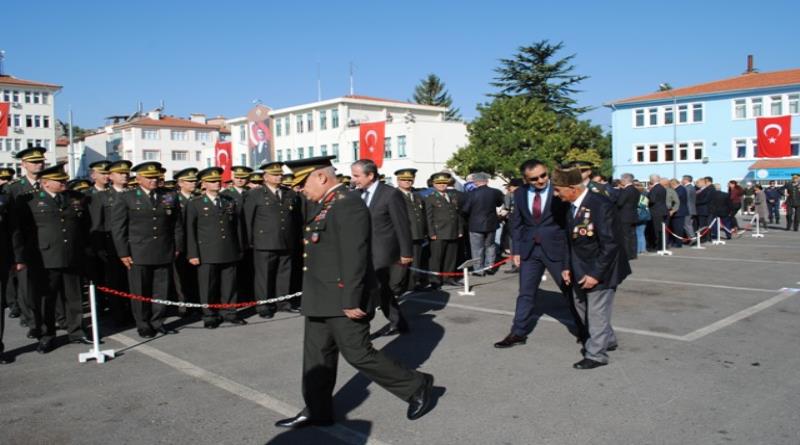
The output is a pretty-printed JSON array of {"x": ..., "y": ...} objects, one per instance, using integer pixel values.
[
  {"x": 550, "y": 232},
  {"x": 391, "y": 237},
  {"x": 720, "y": 203},
  {"x": 703, "y": 200},
  {"x": 628, "y": 205},
  {"x": 213, "y": 234},
  {"x": 272, "y": 224},
  {"x": 480, "y": 206},
  {"x": 658, "y": 200},
  {"x": 150, "y": 235},
  {"x": 443, "y": 218},
  {"x": 596, "y": 243},
  {"x": 415, "y": 207},
  {"x": 683, "y": 207}
]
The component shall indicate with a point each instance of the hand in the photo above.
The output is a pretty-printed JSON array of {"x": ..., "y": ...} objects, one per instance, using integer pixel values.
[
  {"x": 567, "y": 277},
  {"x": 19, "y": 267},
  {"x": 194, "y": 261},
  {"x": 588, "y": 282},
  {"x": 177, "y": 253},
  {"x": 354, "y": 314},
  {"x": 433, "y": 237},
  {"x": 516, "y": 260},
  {"x": 406, "y": 260},
  {"x": 127, "y": 262}
]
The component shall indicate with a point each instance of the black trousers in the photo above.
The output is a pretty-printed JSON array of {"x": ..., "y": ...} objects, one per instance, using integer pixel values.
[
  {"x": 629, "y": 240},
  {"x": 792, "y": 217},
  {"x": 443, "y": 257},
  {"x": 657, "y": 234},
  {"x": 324, "y": 338},
  {"x": 217, "y": 284},
  {"x": 49, "y": 284},
  {"x": 389, "y": 285},
  {"x": 273, "y": 276},
  {"x": 5, "y": 276},
  {"x": 149, "y": 281},
  {"x": 27, "y": 299},
  {"x": 185, "y": 279},
  {"x": 677, "y": 226},
  {"x": 116, "y": 277},
  {"x": 410, "y": 278},
  {"x": 702, "y": 223}
]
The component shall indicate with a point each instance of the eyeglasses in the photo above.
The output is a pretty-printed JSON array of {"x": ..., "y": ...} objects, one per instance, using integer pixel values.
[{"x": 536, "y": 178}]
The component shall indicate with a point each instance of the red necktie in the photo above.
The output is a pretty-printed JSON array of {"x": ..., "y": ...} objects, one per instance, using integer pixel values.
[{"x": 537, "y": 206}]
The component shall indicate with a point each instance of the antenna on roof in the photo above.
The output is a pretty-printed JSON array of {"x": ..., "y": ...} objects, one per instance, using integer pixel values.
[
  {"x": 2, "y": 58},
  {"x": 351, "y": 79}
]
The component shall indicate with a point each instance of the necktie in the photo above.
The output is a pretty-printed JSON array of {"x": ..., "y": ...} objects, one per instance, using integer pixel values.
[
  {"x": 537, "y": 205},
  {"x": 446, "y": 197},
  {"x": 574, "y": 210},
  {"x": 365, "y": 196},
  {"x": 278, "y": 194},
  {"x": 153, "y": 198},
  {"x": 57, "y": 197}
]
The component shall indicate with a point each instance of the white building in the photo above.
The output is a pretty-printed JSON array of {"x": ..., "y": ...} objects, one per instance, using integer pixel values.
[
  {"x": 31, "y": 118},
  {"x": 417, "y": 136}
]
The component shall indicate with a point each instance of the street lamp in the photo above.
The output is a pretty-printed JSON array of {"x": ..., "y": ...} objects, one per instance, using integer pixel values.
[{"x": 668, "y": 89}]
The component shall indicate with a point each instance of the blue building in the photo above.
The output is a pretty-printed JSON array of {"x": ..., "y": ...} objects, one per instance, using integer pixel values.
[{"x": 707, "y": 129}]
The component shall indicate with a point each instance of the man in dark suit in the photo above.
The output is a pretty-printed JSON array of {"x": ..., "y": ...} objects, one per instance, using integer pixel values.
[
  {"x": 627, "y": 207},
  {"x": 445, "y": 227},
  {"x": 677, "y": 222},
  {"x": 338, "y": 285},
  {"x": 597, "y": 262},
  {"x": 539, "y": 243},
  {"x": 6, "y": 257},
  {"x": 415, "y": 207},
  {"x": 392, "y": 248},
  {"x": 51, "y": 239},
  {"x": 703, "y": 205},
  {"x": 721, "y": 209},
  {"x": 793, "y": 202},
  {"x": 690, "y": 222},
  {"x": 480, "y": 206},
  {"x": 658, "y": 210},
  {"x": 147, "y": 227}
]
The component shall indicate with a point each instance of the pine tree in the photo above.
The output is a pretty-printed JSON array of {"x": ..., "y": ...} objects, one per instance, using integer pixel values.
[{"x": 431, "y": 91}]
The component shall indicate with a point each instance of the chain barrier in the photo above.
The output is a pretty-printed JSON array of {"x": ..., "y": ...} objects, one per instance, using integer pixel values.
[
  {"x": 117, "y": 293},
  {"x": 702, "y": 232},
  {"x": 459, "y": 274}
]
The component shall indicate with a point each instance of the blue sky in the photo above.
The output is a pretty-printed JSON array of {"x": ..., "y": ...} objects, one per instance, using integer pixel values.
[{"x": 217, "y": 57}]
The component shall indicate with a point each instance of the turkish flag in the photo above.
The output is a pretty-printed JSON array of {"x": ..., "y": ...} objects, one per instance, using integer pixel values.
[
  {"x": 774, "y": 137},
  {"x": 370, "y": 141},
  {"x": 4, "y": 108},
  {"x": 223, "y": 153}
]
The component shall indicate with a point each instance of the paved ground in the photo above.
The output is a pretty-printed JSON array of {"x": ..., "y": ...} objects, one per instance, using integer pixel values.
[{"x": 708, "y": 355}]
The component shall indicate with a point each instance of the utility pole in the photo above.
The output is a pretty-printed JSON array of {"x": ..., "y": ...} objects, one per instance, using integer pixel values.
[
  {"x": 352, "y": 90},
  {"x": 71, "y": 147}
]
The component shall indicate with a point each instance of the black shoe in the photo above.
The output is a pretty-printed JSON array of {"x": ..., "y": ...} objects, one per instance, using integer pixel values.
[
  {"x": 238, "y": 321},
  {"x": 420, "y": 403},
  {"x": 4, "y": 359},
  {"x": 588, "y": 363},
  {"x": 14, "y": 313},
  {"x": 512, "y": 270},
  {"x": 165, "y": 330},
  {"x": 147, "y": 333},
  {"x": 491, "y": 271},
  {"x": 81, "y": 340},
  {"x": 511, "y": 340},
  {"x": 612, "y": 348},
  {"x": 266, "y": 314},
  {"x": 211, "y": 324},
  {"x": 33, "y": 333},
  {"x": 301, "y": 421},
  {"x": 45, "y": 346}
]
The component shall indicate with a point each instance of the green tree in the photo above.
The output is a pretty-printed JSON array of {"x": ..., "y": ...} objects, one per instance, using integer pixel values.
[
  {"x": 431, "y": 91},
  {"x": 511, "y": 130},
  {"x": 535, "y": 72}
]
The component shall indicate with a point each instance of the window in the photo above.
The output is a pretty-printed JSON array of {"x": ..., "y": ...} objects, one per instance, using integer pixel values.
[
  {"x": 638, "y": 152},
  {"x": 335, "y": 148},
  {"x": 177, "y": 135},
  {"x": 27, "y": 97},
  {"x": 653, "y": 114},
  {"x": 277, "y": 129},
  {"x": 683, "y": 114},
  {"x": 795, "y": 144},
  {"x": 300, "y": 153},
  {"x": 201, "y": 136},
  {"x": 334, "y": 118},
  {"x": 697, "y": 112},
  {"x": 45, "y": 96},
  {"x": 46, "y": 121},
  {"x": 311, "y": 152},
  {"x": 28, "y": 120},
  {"x": 776, "y": 105},
  {"x": 15, "y": 96},
  {"x": 653, "y": 153},
  {"x": 299, "y": 120},
  {"x": 323, "y": 149},
  {"x": 698, "y": 151},
  {"x": 242, "y": 134},
  {"x": 6, "y": 95},
  {"x": 683, "y": 151},
  {"x": 288, "y": 154},
  {"x": 17, "y": 120},
  {"x": 310, "y": 121},
  {"x": 741, "y": 148},
  {"x": 756, "y": 108},
  {"x": 323, "y": 120},
  {"x": 286, "y": 125},
  {"x": 669, "y": 153},
  {"x": 279, "y": 154},
  {"x": 37, "y": 121},
  {"x": 150, "y": 155},
  {"x": 753, "y": 147},
  {"x": 669, "y": 116},
  {"x": 387, "y": 148},
  {"x": 36, "y": 97},
  {"x": 639, "y": 118},
  {"x": 740, "y": 108},
  {"x": 401, "y": 146},
  {"x": 180, "y": 156},
  {"x": 150, "y": 135},
  {"x": 794, "y": 103},
  {"x": 198, "y": 155},
  {"x": 355, "y": 150}
]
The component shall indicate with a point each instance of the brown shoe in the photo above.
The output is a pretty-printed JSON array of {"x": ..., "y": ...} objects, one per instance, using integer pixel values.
[{"x": 511, "y": 340}]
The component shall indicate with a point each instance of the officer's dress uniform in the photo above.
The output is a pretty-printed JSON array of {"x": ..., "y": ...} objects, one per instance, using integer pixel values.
[
  {"x": 213, "y": 235},
  {"x": 185, "y": 275},
  {"x": 418, "y": 223},
  {"x": 20, "y": 300},
  {"x": 6, "y": 258},
  {"x": 51, "y": 239},
  {"x": 146, "y": 226},
  {"x": 245, "y": 271},
  {"x": 445, "y": 223},
  {"x": 114, "y": 274},
  {"x": 792, "y": 205}
]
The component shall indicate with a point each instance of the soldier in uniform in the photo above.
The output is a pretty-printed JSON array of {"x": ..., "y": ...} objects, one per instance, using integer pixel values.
[
  {"x": 79, "y": 185},
  {"x": 256, "y": 180},
  {"x": 6, "y": 175},
  {"x": 99, "y": 175},
  {"x": 147, "y": 230},
  {"x": 184, "y": 274},
  {"x": 214, "y": 246},
  {"x": 20, "y": 299},
  {"x": 338, "y": 284},
  {"x": 793, "y": 203},
  {"x": 445, "y": 227},
  {"x": 50, "y": 239},
  {"x": 238, "y": 188},
  {"x": 272, "y": 216},
  {"x": 6, "y": 254},
  {"x": 418, "y": 224}
]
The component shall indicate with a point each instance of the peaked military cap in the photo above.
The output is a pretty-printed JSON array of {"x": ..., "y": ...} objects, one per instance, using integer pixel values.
[
  {"x": 6, "y": 173},
  {"x": 567, "y": 177},
  {"x": 122, "y": 166},
  {"x": 32, "y": 154},
  {"x": 287, "y": 179},
  {"x": 79, "y": 185},
  {"x": 407, "y": 174},
  {"x": 257, "y": 176},
  {"x": 54, "y": 173},
  {"x": 581, "y": 165},
  {"x": 149, "y": 169},
  {"x": 171, "y": 184},
  {"x": 187, "y": 174},
  {"x": 100, "y": 166},
  {"x": 210, "y": 174},
  {"x": 441, "y": 178},
  {"x": 272, "y": 168},
  {"x": 241, "y": 172},
  {"x": 302, "y": 168},
  {"x": 132, "y": 181}
]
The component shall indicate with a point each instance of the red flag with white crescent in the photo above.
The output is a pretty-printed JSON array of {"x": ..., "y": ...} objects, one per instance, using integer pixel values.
[
  {"x": 4, "y": 109},
  {"x": 774, "y": 137},
  {"x": 223, "y": 154},
  {"x": 370, "y": 141}
]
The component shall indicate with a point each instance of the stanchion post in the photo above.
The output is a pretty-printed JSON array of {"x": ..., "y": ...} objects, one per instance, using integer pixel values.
[
  {"x": 664, "y": 250},
  {"x": 698, "y": 245},
  {"x": 95, "y": 353},
  {"x": 718, "y": 241},
  {"x": 758, "y": 233},
  {"x": 465, "y": 267}
]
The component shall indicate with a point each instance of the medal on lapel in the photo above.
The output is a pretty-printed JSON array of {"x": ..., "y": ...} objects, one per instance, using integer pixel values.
[{"x": 315, "y": 237}]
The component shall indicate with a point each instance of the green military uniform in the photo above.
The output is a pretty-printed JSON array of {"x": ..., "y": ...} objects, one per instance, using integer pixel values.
[
  {"x": 245, "y": 272},
  {"x": 146, "y": 226},
  {"x": 214, "y": 236},
  {"x": 445, "y": 227},
  {"x": 418, "y": 223},
  {"x": 184, "y": 274},
  {"x": 338, "y": 275},
  {"x": 6, "y": 260},
  {"x": 793, "y": 203}
]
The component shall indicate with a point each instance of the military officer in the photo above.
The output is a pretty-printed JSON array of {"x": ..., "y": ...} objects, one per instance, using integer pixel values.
[
  {"x": 338, "y": 284},
  {"x": 184, "y": 274},
  {"x": 792, "y": 190},
  {"x": 418, "y": 224},
  {"x": 256, "y": 180},
  {"x": 286, "y": 180},
  {"x": 238, "y": 189},
  {"x": 147, "y": 230},
  {"x": 272, "y": 217},
  {"x": 50, "y": 240},
  {"x": 6, "y": 255},
  {"x": 20, "y": 299},
  {"x": 99, "y": 175},
  {"x": 214, "y": 246},
  {"x": 79, "y": 185},
  {"x": 445, "y": 227},
  {"x": 6, "y": 175},
  {"x": 132, "y": 182}
]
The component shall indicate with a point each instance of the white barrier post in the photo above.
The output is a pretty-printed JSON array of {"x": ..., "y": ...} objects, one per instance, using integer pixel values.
[
  {"x": 698, "y": 246},
  {"x": 465, "y": 267},
  {"x": 718, "y": 241},
  {"x": 95, "y": 353},
  {"x": 758, "y": 233},
  {"x": 664, "y": 250}
]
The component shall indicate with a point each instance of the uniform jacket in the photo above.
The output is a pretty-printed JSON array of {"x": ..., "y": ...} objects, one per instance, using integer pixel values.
[
  {"x": 480, "y": 206},
  {"x": 337, "y": 262},
  {"x": 6, "y": 210},
  {"x": 549, "y": 232},
  {"x": 595, "y": 240},
  {"x": 20, "y": 186},
  {"x": 792, "y": 194},
  {"x": 213, "y": 233},
  {"x": 415, "y": 207},
  {"x": 391, "y": 236},
  {"x": 240, "y": 197},
  {"x": 444, "y": 218},
  {"x": 150, "y": 234},
  {"x": 100, "y": 206},
  {"x": 272, "y": 224},
  {"x": 51, "y": 235}
]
